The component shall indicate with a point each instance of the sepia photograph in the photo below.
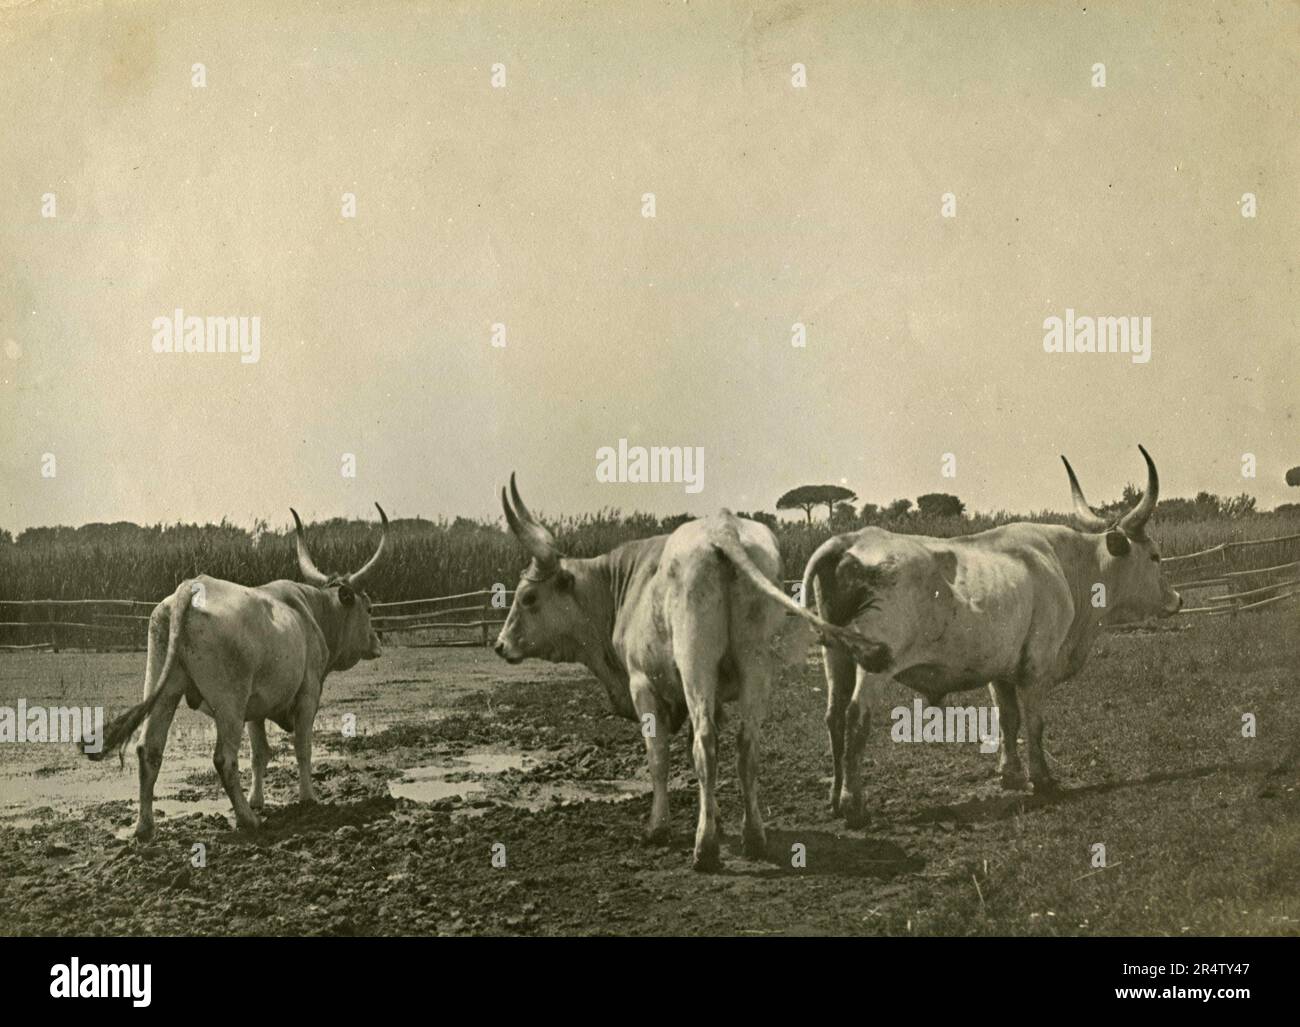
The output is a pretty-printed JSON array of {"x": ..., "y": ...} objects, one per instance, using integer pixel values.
[{"x": 649, "y": 468}]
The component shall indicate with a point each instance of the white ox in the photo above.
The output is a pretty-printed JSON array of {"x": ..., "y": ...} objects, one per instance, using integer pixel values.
[
  {"x": 672, "y": 630},
  {"x": 241, "y": 655},
  {"x": 1011, "y": 608}
]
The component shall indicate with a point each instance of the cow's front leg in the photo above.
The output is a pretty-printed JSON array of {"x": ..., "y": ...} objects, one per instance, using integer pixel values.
[
  {"x": 261, "y": 757},
  {"x": 304, "y": 719},
  {"x": 654, "y": 729},
  {"x": 1031, "y": 699},
  {"x": 1010, "y": 771}
]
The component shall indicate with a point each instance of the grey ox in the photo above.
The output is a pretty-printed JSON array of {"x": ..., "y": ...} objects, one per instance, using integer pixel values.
[
  {"x": 1016, "y": 607},
  {"x": 247, "y": 655},
  {"x": 673, "y": 626}
]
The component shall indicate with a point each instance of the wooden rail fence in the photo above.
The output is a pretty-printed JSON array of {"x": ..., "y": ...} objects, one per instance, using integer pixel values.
[
  {"x": 1236, "y": 589},
  {"x": 473, "y": 618}
]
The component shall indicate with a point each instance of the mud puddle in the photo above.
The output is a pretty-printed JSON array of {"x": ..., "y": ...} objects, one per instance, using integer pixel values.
[
  {"x": 68, "y": 783},
  {"x": 481, "y": 779}
]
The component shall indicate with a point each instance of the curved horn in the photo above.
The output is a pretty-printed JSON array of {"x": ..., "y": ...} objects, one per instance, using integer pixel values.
[
  {"x": 523, "y": 511},
  {"x": 356, "y": 578},
  {"x": 309, "y": 572},
  {"x": 539, "y": 542},
  {"x": 1084, "y": 515},
  {"x": 1135, "y": 520}
]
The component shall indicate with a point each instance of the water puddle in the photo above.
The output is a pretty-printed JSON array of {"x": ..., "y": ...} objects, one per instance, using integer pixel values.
[
  {"x": 66, "y": 782},
  {"x": 592, "y": 791},
  {"x": 447, "y": 780},
  {"x": 479, "y": 776}
]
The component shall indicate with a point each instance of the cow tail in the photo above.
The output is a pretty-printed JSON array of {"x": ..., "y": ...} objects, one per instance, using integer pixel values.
[
  {"x": 871, "y": 656},
  {"x": 119, "y": 730},
  {"x": 814, "y": 575}
]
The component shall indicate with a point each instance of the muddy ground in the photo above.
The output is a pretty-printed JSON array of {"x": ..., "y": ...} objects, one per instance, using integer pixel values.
[{"x": 457, "y": 755}]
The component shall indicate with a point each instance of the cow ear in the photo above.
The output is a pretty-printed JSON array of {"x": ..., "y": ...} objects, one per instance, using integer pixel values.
[
  {"x": 1117, "y": 543},
  {"x": 563, "y": 580},
  {"x": 346, "y": 596}
]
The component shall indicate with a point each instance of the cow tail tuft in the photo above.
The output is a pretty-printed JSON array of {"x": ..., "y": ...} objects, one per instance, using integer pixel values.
[{"x": 119, "y": 730}]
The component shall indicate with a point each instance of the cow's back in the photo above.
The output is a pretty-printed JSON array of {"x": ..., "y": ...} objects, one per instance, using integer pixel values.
[
  {"x": 234, "y": 630},
  {"x": 955, "y": 613}
]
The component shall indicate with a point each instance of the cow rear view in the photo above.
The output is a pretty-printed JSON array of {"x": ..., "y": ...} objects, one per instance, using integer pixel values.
[
  {"x": 246, "y": 655},
  {"x": 672, "y": 626}
]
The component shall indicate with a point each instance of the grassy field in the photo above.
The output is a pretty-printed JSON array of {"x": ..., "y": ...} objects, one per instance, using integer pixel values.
[{"x": 1201, "y": 825}]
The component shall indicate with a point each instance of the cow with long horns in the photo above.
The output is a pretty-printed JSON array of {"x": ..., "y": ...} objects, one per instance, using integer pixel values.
[
  {"x": 1016, "y": 608},
  {"x": 246, "y": 655},
  {"x": 672, "y": 626}
]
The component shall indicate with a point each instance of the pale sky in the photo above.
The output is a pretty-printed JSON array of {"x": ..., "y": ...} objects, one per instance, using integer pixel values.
[{"x": 522, "y": 205}]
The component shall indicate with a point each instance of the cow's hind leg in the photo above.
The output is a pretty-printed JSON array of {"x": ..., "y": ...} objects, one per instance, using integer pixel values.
[
  {"x": 857, "y": 720},
  {"x": 698, "y": 664},
  {"x": 654, "y": 729},
  {"x": 261, "y": 757},
  {"x": 230, "y": 731},
  {"x": 1010, "y": 771},
  {"x": 149, "y": 753},
  {"x": 755, "y": 684},
  {"x": 839, "y": 669}
]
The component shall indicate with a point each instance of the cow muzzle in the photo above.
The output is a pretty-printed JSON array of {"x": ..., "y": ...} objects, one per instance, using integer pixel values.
[
  {"x": 507, "y": 652},
  {"x": 1173, "y": 603}
]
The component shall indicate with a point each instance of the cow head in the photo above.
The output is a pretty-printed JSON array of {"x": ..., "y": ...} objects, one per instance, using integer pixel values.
[
  {"x": 347, "y": 606},
  {"x": 1135, "y": 584},
  {"x": 547, "y": 620}
]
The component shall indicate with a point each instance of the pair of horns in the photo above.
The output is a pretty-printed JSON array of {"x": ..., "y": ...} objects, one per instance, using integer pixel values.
[
  {"x": 535, "y": 538},
  {"x": 354, "y": 580},
  {"x": 1132, "y": 522}
]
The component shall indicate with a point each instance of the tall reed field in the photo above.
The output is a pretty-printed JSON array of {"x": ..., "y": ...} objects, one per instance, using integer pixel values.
[{"x": 433, "y": 558}]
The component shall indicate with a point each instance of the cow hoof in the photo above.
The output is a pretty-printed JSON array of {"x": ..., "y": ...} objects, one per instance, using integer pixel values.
[
  {"x": 253, "y": 825},
  {"x": 143, "y": 832},
  {"x": 708, "y": 853},
  {"x": 1013, "y": 781},
  {"x": 256, "y": 802},
  {"x": 855, "y": 818},
  {"x": 755, "y": 846},
  {"x": 658, "y": 836},
  {"x": 1046, "y": 788},
  {"x": 707, "y": 860}
]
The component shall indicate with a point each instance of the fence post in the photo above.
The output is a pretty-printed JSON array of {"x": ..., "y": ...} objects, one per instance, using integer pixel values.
[
  {"x": 1232, "y": 584},
  {"x": 487, "y": 608},
  {"x": 49, "y": 616}
]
